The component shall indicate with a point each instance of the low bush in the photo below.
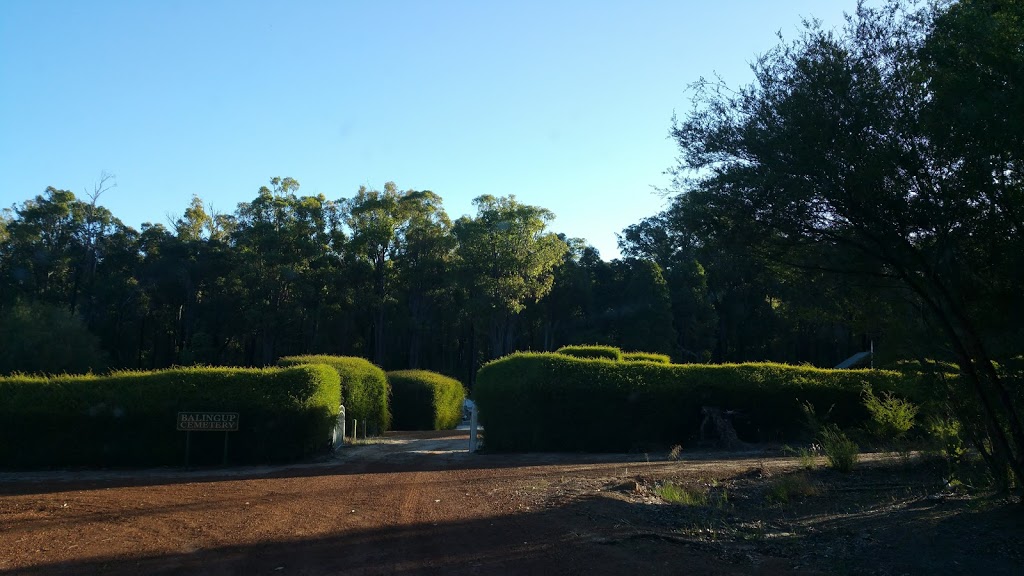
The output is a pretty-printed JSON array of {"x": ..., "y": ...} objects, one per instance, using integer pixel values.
[
  {"x": 591, "y": 351},
  {"x": 891, "y": 417},
  {"x": 711, "y": 495},
  {"x": 364, "y": 388},
  {"x": 424, "y": 400},
  {"x": 130, "y": 418},
  {"x": 679, "y": 494},
  {"x": 789, "y": 487},
  {"x": 534, "y": 401},
  {"x": 948, "y": 442},
  {"x": 646, "y": 357},
  {"x": 841, "y": 452}
]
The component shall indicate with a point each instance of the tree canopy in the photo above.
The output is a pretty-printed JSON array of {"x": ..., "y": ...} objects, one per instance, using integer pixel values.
[{"x": 889, "y": 151}]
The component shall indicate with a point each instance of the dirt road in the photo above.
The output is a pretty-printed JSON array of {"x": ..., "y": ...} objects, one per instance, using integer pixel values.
[
  {"x": 411, "y": 504},
  {"x": 400, "y": 507}
]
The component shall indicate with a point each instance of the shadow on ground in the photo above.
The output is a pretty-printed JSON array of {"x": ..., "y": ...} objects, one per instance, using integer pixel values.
[
  {"x": 599, "y": 535},
  {"x": 554, "y": 541},
  {"x": 394, "y": 452}
]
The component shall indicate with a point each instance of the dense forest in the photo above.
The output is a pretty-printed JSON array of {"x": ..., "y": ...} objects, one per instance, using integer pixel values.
[
  {"x": 388, "y": 275},
  {"x": 864, "y": 191}
]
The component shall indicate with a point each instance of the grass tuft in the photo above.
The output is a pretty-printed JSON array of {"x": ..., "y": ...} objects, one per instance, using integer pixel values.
[
  {"x": 785, "y": 489},
  {"x": 808, "y": 456},
  {"x": 679, "y": 494},
  {"x": 840, "y": 451},
  {"x": 711, "y": 495},
  {"x": 675, "y": 452}
]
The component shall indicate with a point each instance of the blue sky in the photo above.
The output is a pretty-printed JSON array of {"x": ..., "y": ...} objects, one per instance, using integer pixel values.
[{"x": 565, "y": 104}]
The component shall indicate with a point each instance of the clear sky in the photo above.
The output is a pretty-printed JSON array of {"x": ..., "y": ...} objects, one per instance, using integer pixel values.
[{"x": 566, "y": 104}]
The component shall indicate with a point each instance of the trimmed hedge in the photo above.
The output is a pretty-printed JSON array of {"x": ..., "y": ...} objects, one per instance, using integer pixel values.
[
  {"x": 591, "y": 351},
  {"x": 646, "y": 357},
  {"x": 130, "y": 418},
  {"x": 612, "y": 353},
  {"x": 533, "y": 401},
  {"x": 364, "y": 388},
  {"x": 424, "y": 400}
]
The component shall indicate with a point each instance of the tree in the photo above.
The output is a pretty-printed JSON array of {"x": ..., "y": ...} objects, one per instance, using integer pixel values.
[
  {"x": 374, "y": 218},
  {"x": 423, "y": 265},
  {"x": 282, "y": 241},
  {"x": 566, "y": 312},
  {"x": 44, "y": 246},
  {"x": 5, "y": 219},
  {"x": 192, "y": 224},
  {"x": 402, "y": 235},
  {"x": 852, "y": 152},
  {"x": 44, "y": 338},
  {"x": 98, "y": 223},
  {"x": 508, "y": 258},
  {"x": 667, "y": 242},
  {"x": 645, "y": 319}
]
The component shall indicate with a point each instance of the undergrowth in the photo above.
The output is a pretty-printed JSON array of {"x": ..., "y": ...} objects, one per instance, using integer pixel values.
[
  {"x": 841, "y": 452},
  {"x": 786, "y": 488},
  {"x": 686, "y": 496}
]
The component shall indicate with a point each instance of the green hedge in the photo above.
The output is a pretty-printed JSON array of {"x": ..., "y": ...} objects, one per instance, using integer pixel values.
[
  {"x": 612, "y": 353},
  {"x": 531, "y": 401},
  {"x": 424, "y": 400},
  {"x": 646, "y": 357},
  {"x": 364, "y": 387},
  {"x": 129, "y": 418},
  {"x": 591, "y": 351}
]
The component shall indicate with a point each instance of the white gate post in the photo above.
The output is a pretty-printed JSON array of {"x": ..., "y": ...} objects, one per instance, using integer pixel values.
[{"x": 339, "y": 428}]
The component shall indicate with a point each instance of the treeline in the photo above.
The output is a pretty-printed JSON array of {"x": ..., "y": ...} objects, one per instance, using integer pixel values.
[{"x": 386, "y": 275}]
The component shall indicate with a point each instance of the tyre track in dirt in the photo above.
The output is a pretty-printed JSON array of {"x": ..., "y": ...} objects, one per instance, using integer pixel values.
[{"x": 395, "y": 508}]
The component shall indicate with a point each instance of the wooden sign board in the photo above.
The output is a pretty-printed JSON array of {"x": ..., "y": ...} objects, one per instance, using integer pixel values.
[{"x": 208, "y": 421}]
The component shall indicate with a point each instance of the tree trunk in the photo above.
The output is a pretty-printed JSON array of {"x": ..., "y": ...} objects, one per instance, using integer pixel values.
[{"x": 996, "y": 404}]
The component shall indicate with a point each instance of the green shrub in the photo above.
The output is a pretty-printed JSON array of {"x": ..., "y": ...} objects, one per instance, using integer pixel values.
[
  {"x": 840, "y": 451},
  {"x": 424, "y": 400},
  {"x": 947, "y": 435},
  {"x": 646, "y": 357},
  {"x": 786, "y": 488},
  {"x": 812, "y": 423},
  {"x": 591, "y": 351},
  {"x": 45, "y": 339},
  {"x": 682, "y": 495},
  {"x": 700, "y": 496},
  {"x": 129, "y": 418},
  {"x": 891, "y": 417},
  {"x": 534, "y": 401},
  {"x": 364, "y": 388}
]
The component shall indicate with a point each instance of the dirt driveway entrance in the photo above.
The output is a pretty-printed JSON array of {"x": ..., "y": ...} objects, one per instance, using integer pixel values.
[{"x": 420, "y": 504}]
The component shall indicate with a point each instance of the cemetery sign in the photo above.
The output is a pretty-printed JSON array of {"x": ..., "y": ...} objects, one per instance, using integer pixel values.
[{"x": 208, "y": 421}]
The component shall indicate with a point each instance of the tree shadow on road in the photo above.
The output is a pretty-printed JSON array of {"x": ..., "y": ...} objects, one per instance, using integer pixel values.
[{"x": 392, "y": 453}]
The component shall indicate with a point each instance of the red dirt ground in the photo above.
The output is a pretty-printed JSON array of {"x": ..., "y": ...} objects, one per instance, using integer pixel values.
[{"x": 412, "y": 504}]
